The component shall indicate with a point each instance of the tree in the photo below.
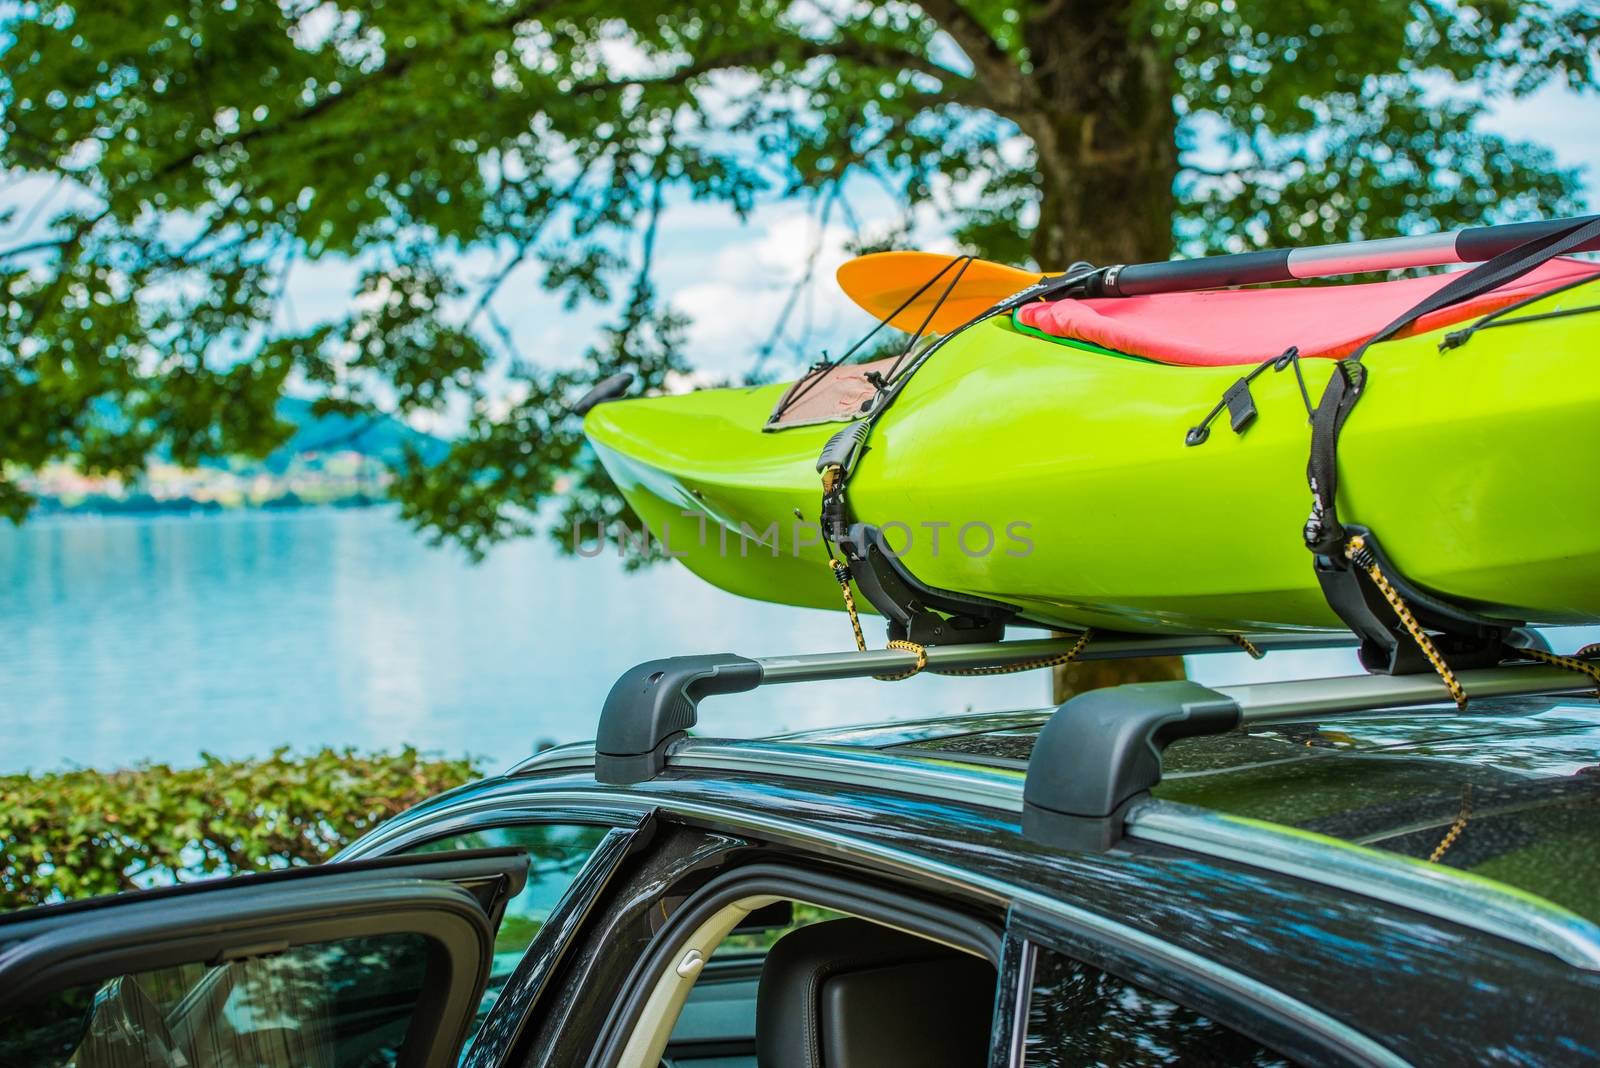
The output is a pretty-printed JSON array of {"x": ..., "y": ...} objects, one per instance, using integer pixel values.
[{"x": 200, "y": 149}]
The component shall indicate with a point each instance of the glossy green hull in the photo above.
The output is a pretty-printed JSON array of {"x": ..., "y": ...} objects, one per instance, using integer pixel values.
[{"x": 1479, "y": 467}]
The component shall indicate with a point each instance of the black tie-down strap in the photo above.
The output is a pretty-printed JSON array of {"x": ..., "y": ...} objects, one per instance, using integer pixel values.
[
  {"x": 916, "y": 612},
  {"x": 1347, "y": 556}
]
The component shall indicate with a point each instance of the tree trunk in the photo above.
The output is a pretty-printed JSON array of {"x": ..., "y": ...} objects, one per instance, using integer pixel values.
[
  {"x": 1106, "y": 142},
  {"x": 1105, "y": 136}
]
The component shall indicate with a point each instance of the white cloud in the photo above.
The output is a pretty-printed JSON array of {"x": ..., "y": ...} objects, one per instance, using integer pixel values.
[
  {"x": 1562, "y": 119},
  {"x": 35, "y": 200},
  {"x": 741, "y": 289}
]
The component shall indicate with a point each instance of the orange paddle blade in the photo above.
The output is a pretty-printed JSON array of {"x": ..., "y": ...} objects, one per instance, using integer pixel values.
[{"x": 882, "y": 281}]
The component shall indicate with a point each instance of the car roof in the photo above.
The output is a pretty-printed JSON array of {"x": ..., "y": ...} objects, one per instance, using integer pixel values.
[
  {"x": 1513, "y": 783},
  {"x": 1263, "y": 905}
]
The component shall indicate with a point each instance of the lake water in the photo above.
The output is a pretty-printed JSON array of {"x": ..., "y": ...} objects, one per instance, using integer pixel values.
[{"x": 154, "y": 638}]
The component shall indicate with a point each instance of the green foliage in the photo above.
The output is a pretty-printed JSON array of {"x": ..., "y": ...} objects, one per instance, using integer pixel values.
[
  {"x": 1345, "y": 121},
  {"x": 79, "y": 833},
  {"x": 202, "y": 150}
]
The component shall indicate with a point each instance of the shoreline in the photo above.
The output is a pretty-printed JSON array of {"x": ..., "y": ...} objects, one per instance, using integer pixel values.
[{"x": 190, "y": 506}]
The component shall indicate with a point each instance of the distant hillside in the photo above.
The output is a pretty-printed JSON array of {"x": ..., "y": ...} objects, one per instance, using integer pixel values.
[
  {"x": 384, "y": 439},
  {"x": 333, "y": 460}
]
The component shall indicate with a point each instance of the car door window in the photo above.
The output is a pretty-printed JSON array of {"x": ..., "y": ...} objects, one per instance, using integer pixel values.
[
  {"x": 1080, "y": 1015},
  {"x": 342, "y": 1004},
  {"x": 349, "y": 965},
  {"x": 556, "y": 852}
]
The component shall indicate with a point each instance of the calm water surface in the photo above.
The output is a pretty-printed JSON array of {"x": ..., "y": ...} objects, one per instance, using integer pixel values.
[{"x": 129, "y": 639}]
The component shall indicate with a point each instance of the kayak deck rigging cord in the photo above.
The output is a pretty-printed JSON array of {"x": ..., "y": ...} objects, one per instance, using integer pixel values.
[
  {"x": 1460, "y": 337},
  {"x": 1457, "y": 338},
  {"x": 1241, "y": 405},
  {"x": 819, "y": 371},
  {"x": 916, "y": 613}
]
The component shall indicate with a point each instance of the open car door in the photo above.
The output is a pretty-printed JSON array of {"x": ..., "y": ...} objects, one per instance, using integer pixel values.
[{"x": 353, "y": 965}]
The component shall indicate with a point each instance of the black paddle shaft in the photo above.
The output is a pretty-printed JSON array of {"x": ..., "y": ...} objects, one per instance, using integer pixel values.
[{"x": 1474, "y": 245}]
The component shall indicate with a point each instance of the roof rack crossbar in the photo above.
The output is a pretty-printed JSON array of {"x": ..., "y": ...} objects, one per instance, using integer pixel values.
[
  {"x": 653, "y": 704},
  {"x": 1101, "y": 751}
]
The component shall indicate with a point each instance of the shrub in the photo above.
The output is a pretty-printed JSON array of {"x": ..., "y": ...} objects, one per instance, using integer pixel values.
[{"x": 83, "y": 832}]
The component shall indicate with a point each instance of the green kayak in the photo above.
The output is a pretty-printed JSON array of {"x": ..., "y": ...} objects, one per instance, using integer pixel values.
[{"x": 1054, "y": 476}]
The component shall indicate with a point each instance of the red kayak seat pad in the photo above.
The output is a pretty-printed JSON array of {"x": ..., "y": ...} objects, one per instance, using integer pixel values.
[{"x": 1217, "y": 328}]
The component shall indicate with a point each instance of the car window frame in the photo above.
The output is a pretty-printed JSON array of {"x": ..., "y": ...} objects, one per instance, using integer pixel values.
[
  {"x": 616, "y": 933},
  {"x": 629, "y": 828},
  {"x": 1142, "y": 950},
  {"x": 870, "y": 895},
  {"x": 1281, "y": 1023},
  {"x": 506, "y": 1025},
  {"x": 454, "y": 901},
  {"x": 478, "y": 814}
]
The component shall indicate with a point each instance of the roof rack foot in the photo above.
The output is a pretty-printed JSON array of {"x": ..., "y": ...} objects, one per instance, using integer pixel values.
[
  {"x": 651, "y": 705},
  {"x": 1101, "y": 752}
]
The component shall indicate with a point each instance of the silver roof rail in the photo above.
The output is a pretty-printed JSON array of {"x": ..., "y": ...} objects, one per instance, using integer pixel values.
[{"x": 1088, "y": 779}]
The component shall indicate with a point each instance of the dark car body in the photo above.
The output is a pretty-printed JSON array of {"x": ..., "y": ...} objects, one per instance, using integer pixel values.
[
  {"x": 1276, "y": 888},
  {"x": 1321, "y": 948}
]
